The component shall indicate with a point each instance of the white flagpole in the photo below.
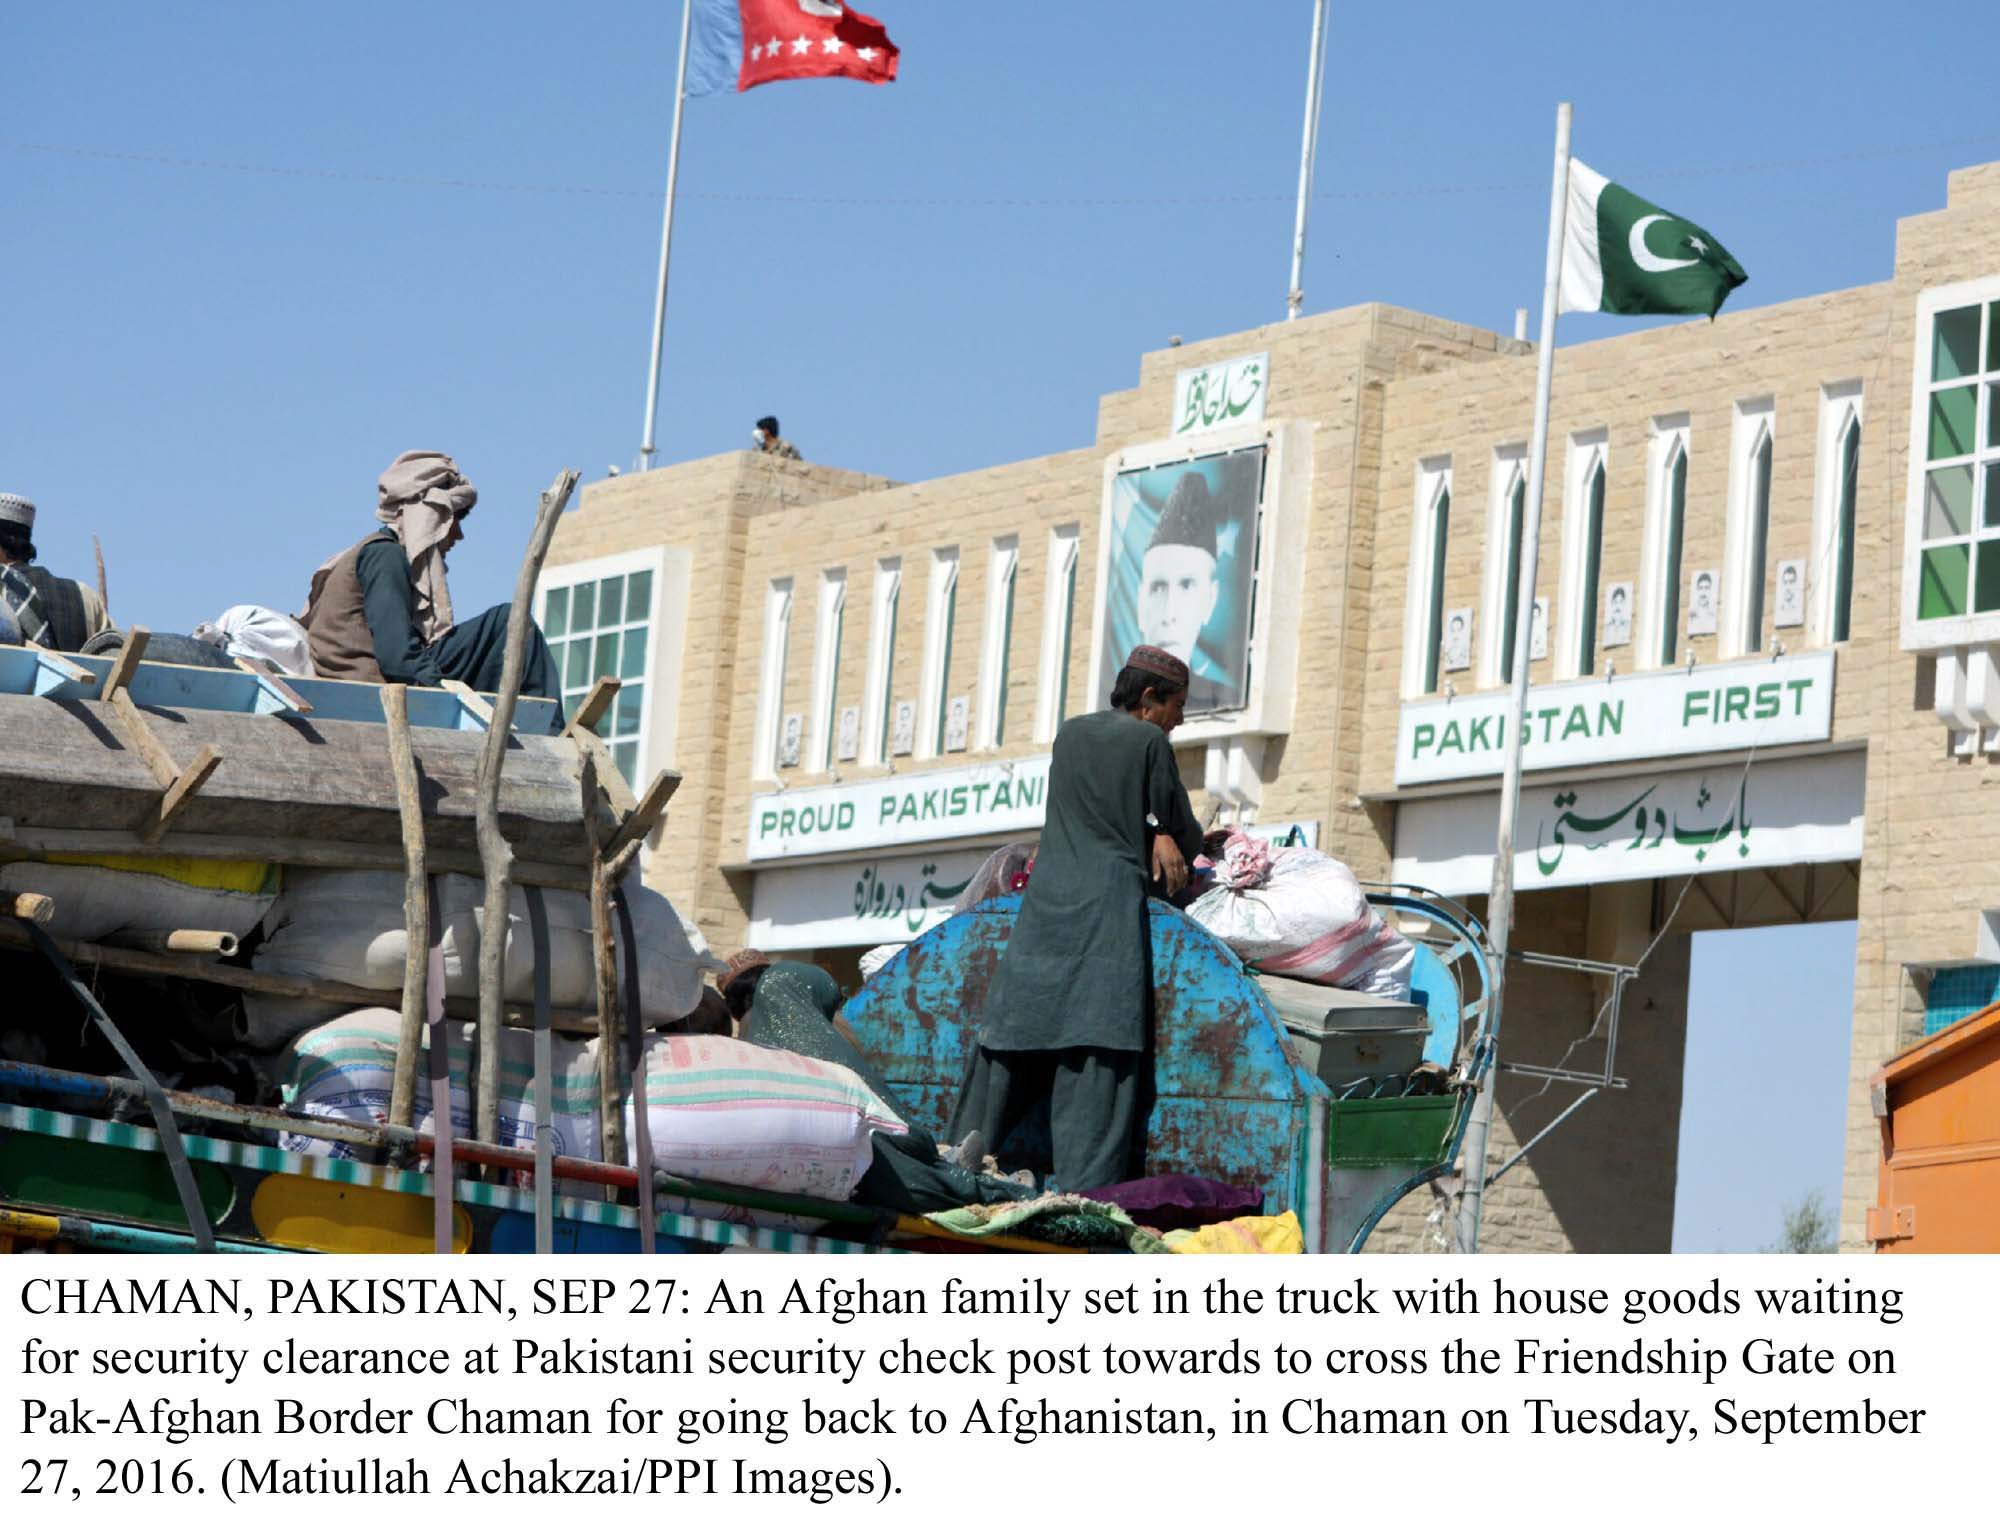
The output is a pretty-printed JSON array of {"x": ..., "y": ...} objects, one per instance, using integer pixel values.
[
  {"x": 1500, "y": 915},
  {"x": 666, "y": 244},
  {"x": 1308, "y": 159}
]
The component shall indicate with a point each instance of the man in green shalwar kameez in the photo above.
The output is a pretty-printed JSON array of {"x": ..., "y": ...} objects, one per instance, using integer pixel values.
[{"x": 1069, "y": 1013}]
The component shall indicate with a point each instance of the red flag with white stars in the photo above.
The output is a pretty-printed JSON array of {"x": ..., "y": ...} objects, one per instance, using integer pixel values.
[{"x": 812, "y": 39}]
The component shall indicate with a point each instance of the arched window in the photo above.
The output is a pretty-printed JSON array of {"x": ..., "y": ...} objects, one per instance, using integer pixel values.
[
  {"x": 1593, "y": 559},
  {"x": 1848, "y": 492},
  {"x": 1510, "y": 595},
  {"x": 1757, "y": 531},
  {"x": 1675, "y": 505},
  {"x": 1439, "y": 535}
]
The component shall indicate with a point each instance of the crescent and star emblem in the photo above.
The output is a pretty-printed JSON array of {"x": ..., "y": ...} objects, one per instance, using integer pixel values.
[
  {"x": 827, "y": 8},
  {"x": 1649, "y": 261}
]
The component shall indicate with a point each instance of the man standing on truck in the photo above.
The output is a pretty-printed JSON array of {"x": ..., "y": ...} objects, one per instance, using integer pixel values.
[
  {"x": 1069, "y": 1013},
  {"x": 35, "y": 606}
]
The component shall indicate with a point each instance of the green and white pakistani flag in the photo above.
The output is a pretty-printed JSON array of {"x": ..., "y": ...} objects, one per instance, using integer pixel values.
[{"x": 1628, "y": 257}]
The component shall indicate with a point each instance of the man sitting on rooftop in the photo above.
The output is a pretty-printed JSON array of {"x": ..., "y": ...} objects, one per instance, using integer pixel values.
[{"x": 768, "y": 440}]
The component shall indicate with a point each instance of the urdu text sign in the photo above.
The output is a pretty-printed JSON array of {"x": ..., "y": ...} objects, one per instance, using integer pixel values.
[
  {"x": 1222, "y": 394},
  {"x": 1757, "y": 702}
]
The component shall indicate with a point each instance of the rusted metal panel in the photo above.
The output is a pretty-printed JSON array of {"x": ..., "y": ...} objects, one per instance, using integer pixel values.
[{"x": 1231, "y": 1097}]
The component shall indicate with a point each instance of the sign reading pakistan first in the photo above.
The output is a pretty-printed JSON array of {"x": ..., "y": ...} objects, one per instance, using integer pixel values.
[{"x": 1766, "y": 703}]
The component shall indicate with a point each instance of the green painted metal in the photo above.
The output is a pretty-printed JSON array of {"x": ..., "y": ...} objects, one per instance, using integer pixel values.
[
  {"x": 126, "y": 1183},
  {"x": 1404, "y": 1131}
]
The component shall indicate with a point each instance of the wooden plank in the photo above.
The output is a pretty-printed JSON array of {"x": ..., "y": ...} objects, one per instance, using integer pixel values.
[
  {"x": 53, "y": 661},
  {"x": 643, "y": 816},
  {"x": 183, "y": 789},
  {"x": 165, "y": 771},
  {"x": 296, "y": 702},
  {"x": 470, "y": 699},
  {"x": 595, "y": 704},
  {"x": 606, "y": 773},
  {"x": 127, "y": 660},
  {"x": 89, "y": 766}
]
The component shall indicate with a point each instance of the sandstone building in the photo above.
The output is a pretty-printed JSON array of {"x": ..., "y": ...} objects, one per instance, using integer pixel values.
[{"x": 1764, "y": 659}]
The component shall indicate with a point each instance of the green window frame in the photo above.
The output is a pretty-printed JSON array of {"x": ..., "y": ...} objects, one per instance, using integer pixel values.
[
  {"x": 603, "y": 627},
  {"x": 1958, "y": 511}
]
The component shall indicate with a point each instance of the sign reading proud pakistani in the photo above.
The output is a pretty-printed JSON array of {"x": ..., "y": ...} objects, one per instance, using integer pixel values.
[
  {"x": 929, "y": 807},
  {"x": 1766, "y": 703}
]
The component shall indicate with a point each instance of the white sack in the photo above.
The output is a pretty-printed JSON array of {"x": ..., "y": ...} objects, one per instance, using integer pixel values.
[
  {"x": 1311, "y": 920},
  {"x": 93, "y": 903},
  {"x": 717, "y": 1109},
  {"x": 347, "y": 924},
  {"x": 261, "y": 635}
]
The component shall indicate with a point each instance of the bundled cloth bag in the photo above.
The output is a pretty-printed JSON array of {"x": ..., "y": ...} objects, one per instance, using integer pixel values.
[
  {"x": 104, "y": 895},
  {"x": 260, "y": 635},
  {"x": 716, "y": 1109},
  {"x": 1297, "y": 912},
  {"x": 347, "y": 924},
  {"x": 346, "y": 1067}
]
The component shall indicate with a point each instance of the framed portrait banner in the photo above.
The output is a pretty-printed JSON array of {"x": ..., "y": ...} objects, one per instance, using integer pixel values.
[{"x": 1181, "y": 554}]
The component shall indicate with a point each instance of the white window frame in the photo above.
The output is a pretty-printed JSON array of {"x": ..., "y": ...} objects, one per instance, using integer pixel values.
[
  {"x": 940, "y": 623},
  {"x": 886, "y": 595},
  {"x": 1058, "y": 630},
  {"x": 1661, "y": 607},
  {"x": 1974, "y": 626},
  {"x": 830, "y": 620},
  {"x": 771, "y": 679},
  {"x": 1841, "y": 405},
  {"x": 1003, "y": 565},
  {"x": 1587, "y": 450},
  {"x": 666, "y": 596},
  {"x": 1431, "y": 488},
  {"x": 1746, "y": 587},
  {"x": 1510, "y": 466}
]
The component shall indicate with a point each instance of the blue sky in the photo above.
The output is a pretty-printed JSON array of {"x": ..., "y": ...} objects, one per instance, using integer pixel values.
[{"x": 237, "y": 280}]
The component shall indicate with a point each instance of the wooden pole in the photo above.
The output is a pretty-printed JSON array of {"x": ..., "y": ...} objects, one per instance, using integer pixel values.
[
  {"x": 496, "y": 857},
  {"x": 39, "y": 909},
  {"x": 604, "y": 962},
  {"x": 416, "y": 906},
  {"x": 103, "y": 594}
]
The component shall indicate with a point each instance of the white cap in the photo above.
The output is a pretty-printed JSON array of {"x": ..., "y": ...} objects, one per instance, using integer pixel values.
[{"x": 17, "y": 510}]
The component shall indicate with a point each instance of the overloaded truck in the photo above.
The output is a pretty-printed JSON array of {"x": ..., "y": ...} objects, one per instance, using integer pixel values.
[{"x": 246, "y": 918}]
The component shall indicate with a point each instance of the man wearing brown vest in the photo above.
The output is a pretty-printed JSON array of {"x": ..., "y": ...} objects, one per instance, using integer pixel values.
[{"x": 381, "y": 610}]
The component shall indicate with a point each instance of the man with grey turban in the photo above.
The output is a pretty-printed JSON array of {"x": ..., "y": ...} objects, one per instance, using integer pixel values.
[
  {"x": 35, "y": 606},
  {"x": 381, "y": 610}
]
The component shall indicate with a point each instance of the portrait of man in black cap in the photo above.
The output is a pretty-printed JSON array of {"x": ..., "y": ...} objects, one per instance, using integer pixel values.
[{"x": 1184, "y": 578}]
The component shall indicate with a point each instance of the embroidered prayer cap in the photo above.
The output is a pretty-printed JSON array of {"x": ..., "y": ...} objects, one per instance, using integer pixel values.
[
  {"x": 1148, "y": 659},
  {"x": 1189, "y": 517},
  {"x": 17, "y": 510},
  {"x": 740, "y": 963}
]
